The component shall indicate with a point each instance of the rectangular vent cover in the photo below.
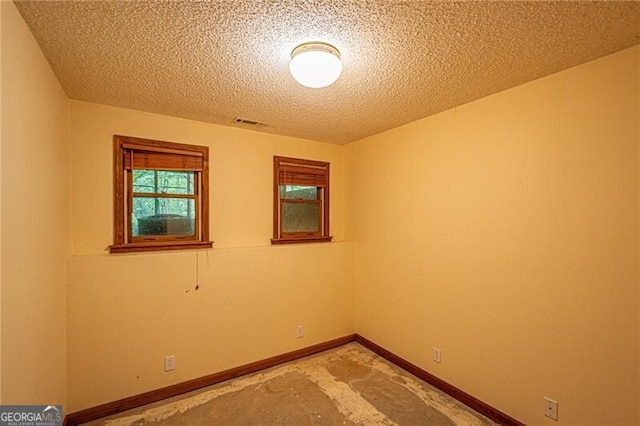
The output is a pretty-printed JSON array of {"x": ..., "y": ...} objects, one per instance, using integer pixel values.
[{"x": 247, "y": 122}]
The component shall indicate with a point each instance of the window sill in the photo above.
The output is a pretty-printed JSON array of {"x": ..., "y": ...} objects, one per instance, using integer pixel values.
[
  {"x": 158, "y": 246},
  {"x": 276, "y": 241}
]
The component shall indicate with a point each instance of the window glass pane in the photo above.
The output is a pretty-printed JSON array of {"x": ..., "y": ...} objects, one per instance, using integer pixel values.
[
  {"x": 297, "y": 192},
  {"x": 163, "y": 216},
  {"x": 300, "y": 217},
  {"x": 163, "y": 182}
]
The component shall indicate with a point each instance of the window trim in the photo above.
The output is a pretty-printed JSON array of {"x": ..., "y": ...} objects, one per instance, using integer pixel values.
[
  {"x": 292, "y": 238},
  {"x": 121, "y": 218}
]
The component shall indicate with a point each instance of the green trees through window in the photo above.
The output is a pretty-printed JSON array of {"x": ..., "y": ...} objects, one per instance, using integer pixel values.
[{"x": 155, "y": 211}]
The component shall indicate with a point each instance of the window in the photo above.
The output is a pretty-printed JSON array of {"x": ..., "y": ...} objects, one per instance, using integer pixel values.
[
  {"x": 300, "y": 201},
  {"x": 161, "y": 195}
]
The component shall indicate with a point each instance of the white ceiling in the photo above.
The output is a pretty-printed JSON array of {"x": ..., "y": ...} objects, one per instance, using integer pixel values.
[{"x": 403, "y": 60}]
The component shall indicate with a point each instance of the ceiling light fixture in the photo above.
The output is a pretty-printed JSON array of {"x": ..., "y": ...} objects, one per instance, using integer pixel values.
[{"x": 315, "y": 64}]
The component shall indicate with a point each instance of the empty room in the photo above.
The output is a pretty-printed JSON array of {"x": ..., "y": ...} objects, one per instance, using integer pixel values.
[{"x": 320, "y": 212}]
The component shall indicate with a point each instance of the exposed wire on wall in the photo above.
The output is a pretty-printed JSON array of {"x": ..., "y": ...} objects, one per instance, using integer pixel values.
[{"x": 197, "y": 270}]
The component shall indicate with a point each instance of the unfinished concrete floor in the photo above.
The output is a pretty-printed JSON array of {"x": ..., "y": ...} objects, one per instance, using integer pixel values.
[{"x": 348, "y": 385}]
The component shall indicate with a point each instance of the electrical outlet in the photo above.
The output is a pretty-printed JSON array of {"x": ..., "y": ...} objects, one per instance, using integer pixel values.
[
  {"x": 169, "y": 363},
  {"x": 300, "y": 332},
  {"x": 550, "y": 408},
  {"x": 436, "y": 355}
]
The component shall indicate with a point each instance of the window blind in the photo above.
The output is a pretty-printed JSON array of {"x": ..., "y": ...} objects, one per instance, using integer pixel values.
[
  {"x": 135, "y": 159},
  {"x": 297, "y": 174}
]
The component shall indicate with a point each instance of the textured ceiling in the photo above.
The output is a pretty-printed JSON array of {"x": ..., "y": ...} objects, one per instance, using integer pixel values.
[{"x": 403, "y": 60}]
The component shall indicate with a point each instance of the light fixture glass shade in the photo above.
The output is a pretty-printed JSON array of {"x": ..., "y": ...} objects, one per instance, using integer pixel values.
[{"x": 315, "y": 65}]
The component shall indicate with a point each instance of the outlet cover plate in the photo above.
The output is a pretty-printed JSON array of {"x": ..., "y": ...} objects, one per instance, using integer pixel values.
[
  {"x": 437, "y": 356},
  {"x": 169, "y": 363},
  {"x": 550, "y": 408}
]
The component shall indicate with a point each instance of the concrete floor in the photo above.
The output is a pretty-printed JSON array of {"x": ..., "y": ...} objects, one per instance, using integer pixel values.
[{"x": 345, "y": 386}]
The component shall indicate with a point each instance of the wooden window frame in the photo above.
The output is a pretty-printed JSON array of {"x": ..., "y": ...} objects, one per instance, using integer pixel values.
[
  {"x": 318, "y": 176},
  {"x": 179, "y": 157}
]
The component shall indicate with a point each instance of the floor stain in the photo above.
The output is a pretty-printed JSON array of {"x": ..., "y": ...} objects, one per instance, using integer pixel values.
[
  {"x": 398, "y": 403},
  {"x": 346, "y": 369}
]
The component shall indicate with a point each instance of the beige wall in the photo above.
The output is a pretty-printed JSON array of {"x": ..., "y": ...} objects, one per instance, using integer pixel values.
[
  {"x": 0, "y": 203},
  {"x": 638, "y": 136},
  {"x": 35, "y": 220},
  {"x": 505, "y": 232},
  {"x": 126, "y": 312}
]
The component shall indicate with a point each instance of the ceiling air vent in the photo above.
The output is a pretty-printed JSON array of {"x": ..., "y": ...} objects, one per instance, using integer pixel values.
[{"x": 247, "y": 122}]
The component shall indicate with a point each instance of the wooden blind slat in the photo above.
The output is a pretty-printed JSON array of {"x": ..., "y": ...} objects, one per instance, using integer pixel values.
[
  {"x": 300, "y": 175},
  {"x": 161, "y": 161},
  {"x": 304, "y": 180},
  {"x": 302, "y": 169},
  {"x": 138, "y": 147}
]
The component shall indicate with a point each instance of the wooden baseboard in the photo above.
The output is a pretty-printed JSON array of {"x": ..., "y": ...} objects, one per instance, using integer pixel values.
[
  {"x": 125, "y": 404},
  {"x": 468, "y": 400}
]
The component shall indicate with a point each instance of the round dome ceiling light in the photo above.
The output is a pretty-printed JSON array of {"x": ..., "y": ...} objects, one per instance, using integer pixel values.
[{"x": 315, "y": 64}]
